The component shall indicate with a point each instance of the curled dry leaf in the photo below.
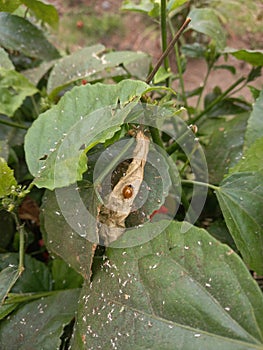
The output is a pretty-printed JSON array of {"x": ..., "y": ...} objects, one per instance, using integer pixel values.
[
  {"x": 29, "y": 210},
  {"x": 118, "y": 204}
]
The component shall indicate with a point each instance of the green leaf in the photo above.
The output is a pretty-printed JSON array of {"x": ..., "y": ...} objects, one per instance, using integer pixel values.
[
  {"x": 161, "y": 75},
  {"x": 5, "y": 62},
  {"x": 4, "y": 149},
  {"x": 181, "y": 290},
  {"x": 7, "y": 180},
  {"x": 254, "y": 73},
  {"x": 62, "y": 240},
  {"x": 64, "y": 276},
  {"x": 86, "y": 115},
  {"x": 219, "y": 230},
  {"x": 204, "y": 20},
  {"x": 9, "y": 5},
  {"x": 5, "y": 310},
  {"x": 92, "y": 63},
  {"x": 254, "y": 57},
  {"x": 228, "y": 106},
  {"x": 174, "y": 4},
  {"x": 225, "y": 144},
  {"x": 8, "y": 277},
  {"x": 228, "y": 67},
  {"x": 255, "y": 122},
  {"x": 251, "y": 159},
  {"x": 39, "y": 323},
  {"x": 195, "y": 50},
  {"x": 35, "y": 278},
  {"x": 20, "y": 35},
  {"x": 34, "y": 75},
  {"x": 45, "y": 12},
  {"x": 14, "y": 88},
  {"x": 254, "y": 91},
  {"x": 146, "y": 6},
  {"x": 240, "y": 197}
]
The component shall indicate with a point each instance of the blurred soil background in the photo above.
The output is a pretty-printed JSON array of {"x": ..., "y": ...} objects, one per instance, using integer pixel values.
[{"x": 87, "y": 22}]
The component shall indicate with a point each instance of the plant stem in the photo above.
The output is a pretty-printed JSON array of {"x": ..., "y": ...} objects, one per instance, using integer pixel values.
[
  {"x": 203, "y": 87},
  {"x": 20, "y": 229},
  {"x": 34, "y": 105},
  {"x": 26, "y": 297},
  {"x": 13, "y": 124},
  {"x": 156, "y": 136},
  {"x": 179, "y": 68},
  {"x": 167, "y": 51},
  {"x": 198, "y": 183},
  {"x": 173, "y": 147},
  {"x": 217, "y": 100},
  {"x": 164, "y": 36}
]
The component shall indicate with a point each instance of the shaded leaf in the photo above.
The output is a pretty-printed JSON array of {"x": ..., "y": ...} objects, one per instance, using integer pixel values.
[
  {"x": 181, "y": 289},
  {"x": 225, "y": 145},
  {"x": 240, "y": 197},
  {"x": 205, "y": 21},
  {"x": 195, "y": 50},
  {"x": 229, "y": 106},
  {"x": 34, "y": 75},
  {"x": 14, "y": 88},
  {"x": 44, "y": 12},
  {"x": 62, "y": 240},
  {"x": 254, "y": 57},
  {"x": 35, "y": 278},
  {"x": 39, "y": 323},
  {"x": 254, "y": 91},
  {"x": 64, "y": 276},
  {"x": 54, "y": 141},
  {"x": 5, "y": 310},
  {"x": 228, "y": 67},
  {"x": 7, "y": 179},
  {"x": 7, "y": 228},
  {"x": 254, "y": 74},
  {"x": 4, "y": 149},
  {"x": 20, "y": 35},
  {"x": 219, "y": 230},
  {"x": 8, "y": 277},
  {"x": 255, "y": 122},
  {"x": 90, "y": 62}
]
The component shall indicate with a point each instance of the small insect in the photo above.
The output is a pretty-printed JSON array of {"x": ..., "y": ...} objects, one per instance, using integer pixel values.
[{"x": 127, "y": 191}]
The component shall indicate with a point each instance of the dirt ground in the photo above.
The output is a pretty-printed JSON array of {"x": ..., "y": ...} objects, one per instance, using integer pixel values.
[{"x": 139, "y": 33}]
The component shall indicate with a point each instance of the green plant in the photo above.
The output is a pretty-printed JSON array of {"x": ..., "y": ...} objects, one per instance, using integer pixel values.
[{"x": 76, "y": 131}]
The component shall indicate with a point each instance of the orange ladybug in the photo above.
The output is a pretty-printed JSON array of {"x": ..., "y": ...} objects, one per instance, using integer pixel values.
[{"x": 127, "y": 191}]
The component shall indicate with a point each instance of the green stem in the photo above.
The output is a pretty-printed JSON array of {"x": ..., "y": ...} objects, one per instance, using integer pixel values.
[
  {"x": 26, "y": 297},
  {"x": 203, "y": 87},
  {"x": 35, "y": 105},
  {"x": 13, "y": 124},
  {"x": 156, "y": 136},
  {"x": 198, "y": 183},
  {"x": 174, "y": 146},
  {"x": 179, "y": 68},
  {"x": 164, "y": 35},
  {"x": 21, "y": 249},
  {"x": 217, "y": 100},
  {"x": 20, "y": 229}
]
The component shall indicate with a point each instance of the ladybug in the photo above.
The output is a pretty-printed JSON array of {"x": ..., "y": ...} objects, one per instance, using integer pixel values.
[{"x": 127, "y": 191}]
